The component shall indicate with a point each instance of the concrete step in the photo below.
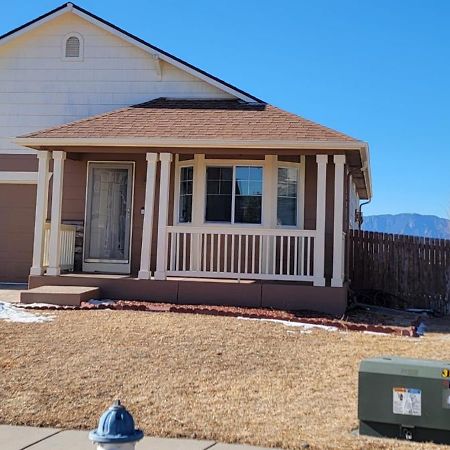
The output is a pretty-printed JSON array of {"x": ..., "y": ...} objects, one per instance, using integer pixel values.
[{"x": 60, "y": 295}]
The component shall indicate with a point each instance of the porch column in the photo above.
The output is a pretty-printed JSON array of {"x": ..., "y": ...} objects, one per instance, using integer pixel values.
[
  {"x": 41, "y": 213},
  {"x": 163, "y": 210},
  {"x": 319, "y": 243},
  {"x": 338, "y": 245},
  {"x": 54, "y": 248},
  {"x": 198, "y": 207},
  {"x": 269, "y": 219},
  {"x": 147, "y": 231}
]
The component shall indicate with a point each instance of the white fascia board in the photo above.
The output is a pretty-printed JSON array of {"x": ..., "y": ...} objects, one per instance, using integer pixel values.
[
  {"x": 182, "y": 142},
  {"x": 18, "y": 177},
  {"x": 36, "y": 24}
]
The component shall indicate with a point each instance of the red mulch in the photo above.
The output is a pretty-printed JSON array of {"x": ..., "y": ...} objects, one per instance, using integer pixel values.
[{"x": 309, "y": 317}]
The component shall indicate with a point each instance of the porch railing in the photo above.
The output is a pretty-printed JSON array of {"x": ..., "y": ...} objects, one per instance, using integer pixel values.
[
  {"x": 67, "y": 246},
  {"x": 247, "y": 253}
]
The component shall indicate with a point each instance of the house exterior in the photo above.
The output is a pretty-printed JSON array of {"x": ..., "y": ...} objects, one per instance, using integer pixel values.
[{"x": 125, "y": 168}]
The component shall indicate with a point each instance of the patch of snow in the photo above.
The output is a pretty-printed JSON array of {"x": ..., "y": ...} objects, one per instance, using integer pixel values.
[
  {"x": 306, "y": 327},
  {"x": 11, "y": 313},
  {"x": 39, "y": 305},
  {"x": 100, "y": 302},
  {"x": 376, "y": 333}
]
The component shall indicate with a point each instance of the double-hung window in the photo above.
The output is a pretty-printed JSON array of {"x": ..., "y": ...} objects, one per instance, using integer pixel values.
[
  {"x": 287, "y": 201},
  {"x": 185, "y": 198},
  {"x": 234, "y": 194}
]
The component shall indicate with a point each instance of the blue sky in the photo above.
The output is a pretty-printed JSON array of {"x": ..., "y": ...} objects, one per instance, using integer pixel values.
[{"x": 377, "y": 70}]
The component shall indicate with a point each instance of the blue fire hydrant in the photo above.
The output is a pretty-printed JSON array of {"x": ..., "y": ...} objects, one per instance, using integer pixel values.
[{"x": 116, "y": 430}]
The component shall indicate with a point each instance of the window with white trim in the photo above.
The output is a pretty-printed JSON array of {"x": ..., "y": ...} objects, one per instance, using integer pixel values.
[
  {"x": 185, "y": 197},
  {"x": 234, "y": 194},
  {"x": 287, "y": 196}
]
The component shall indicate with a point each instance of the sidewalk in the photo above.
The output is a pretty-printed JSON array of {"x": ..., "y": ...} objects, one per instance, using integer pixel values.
[{"x": 21, "y": 438}]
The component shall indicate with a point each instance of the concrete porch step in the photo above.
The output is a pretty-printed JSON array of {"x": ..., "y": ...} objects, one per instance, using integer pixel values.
[{"x": 60, "y": 295}]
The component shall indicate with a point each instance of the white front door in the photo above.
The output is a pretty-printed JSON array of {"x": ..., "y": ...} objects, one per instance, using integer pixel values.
[{"x": 107, "y": 231}]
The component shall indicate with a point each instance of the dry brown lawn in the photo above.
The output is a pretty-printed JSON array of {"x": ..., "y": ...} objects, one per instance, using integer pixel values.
[{"x": 196, "y": 376}]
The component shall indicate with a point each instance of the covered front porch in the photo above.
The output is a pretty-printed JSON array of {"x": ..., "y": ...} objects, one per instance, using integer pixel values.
[
  {"x": 178, "y": 192},
  {"x": 170, "y": 251},
  {"x": 180, "y": 195}
]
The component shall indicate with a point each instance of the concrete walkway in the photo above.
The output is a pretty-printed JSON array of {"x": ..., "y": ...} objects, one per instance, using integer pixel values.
[
  {"x": 21, "y": 438},
  {"x": 11, "y": 292}
]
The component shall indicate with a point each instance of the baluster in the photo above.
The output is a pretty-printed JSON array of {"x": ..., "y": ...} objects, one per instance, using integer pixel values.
[
  {"x": 281, "y": 255},
  {"x": 296, "y": 238},
  {"x": 219, "y": 240},
  {"x": 253, "y": 253},
  {"x": 274, "y": 254},
  {"x": 184, "y": 252},
  {"x": 211, "y": 253},
  {"x": 177, "y": 256},
  {"x": 260, "y": 248},
  {"x": 225, "y": 264},
  {"x": 288, "y": 255},
  {"x": 232, "y": 253},
  {"x": 239, "y": 253},
  {"x": 246, "y": 254},
  {"x": 308, "y": 258},
  {"x": 191, "y": 253}
]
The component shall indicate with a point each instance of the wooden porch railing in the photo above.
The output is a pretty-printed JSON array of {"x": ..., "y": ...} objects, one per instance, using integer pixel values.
[
  {"x": 67, "y": 246},
  {"x": 247, "y": 253}
]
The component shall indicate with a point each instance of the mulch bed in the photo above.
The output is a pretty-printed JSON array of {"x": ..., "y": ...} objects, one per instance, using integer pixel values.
[{"x": 308, "y": 317}]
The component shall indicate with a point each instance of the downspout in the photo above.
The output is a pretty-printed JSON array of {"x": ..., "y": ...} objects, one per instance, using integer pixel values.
[{"x": 360, "y": 215}]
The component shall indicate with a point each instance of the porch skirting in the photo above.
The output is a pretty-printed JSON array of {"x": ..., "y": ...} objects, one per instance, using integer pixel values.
[{"x": 292, "y": 296}]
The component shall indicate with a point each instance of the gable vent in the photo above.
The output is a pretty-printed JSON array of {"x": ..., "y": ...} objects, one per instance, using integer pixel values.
[{"x": 72, "y": 47}]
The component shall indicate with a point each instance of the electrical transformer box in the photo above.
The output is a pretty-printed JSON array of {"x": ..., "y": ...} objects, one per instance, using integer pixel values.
[{"x": 405, "y": 398}]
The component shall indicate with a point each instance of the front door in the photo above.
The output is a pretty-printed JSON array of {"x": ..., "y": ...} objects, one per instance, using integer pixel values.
[{"x": 107, "y": 234}]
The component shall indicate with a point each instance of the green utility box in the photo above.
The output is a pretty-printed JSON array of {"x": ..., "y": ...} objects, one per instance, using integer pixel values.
[{"x": 405, "y": 398}]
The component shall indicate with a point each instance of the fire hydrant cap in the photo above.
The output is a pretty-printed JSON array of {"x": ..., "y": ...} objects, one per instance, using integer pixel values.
[{"x": 116, "y": 425}]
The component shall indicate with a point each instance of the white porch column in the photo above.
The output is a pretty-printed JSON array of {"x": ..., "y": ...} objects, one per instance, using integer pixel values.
[
  {"x": 147, "y": 227},
  {"x": 164, "y": 184},
  {"x": 198, "y": 207},
  {"x": 319, "y": 243},
  {"x": 41, "y": 213},
  {"x": 54, "y": 248},
  {"x": 269, "y": 219},
  {"x": 338, "y": 244}
]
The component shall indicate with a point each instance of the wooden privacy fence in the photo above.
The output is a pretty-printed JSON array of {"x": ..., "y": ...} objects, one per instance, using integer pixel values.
[{"x": 415, "y": 270}]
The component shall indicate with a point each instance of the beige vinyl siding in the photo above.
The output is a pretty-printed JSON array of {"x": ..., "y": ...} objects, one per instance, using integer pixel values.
[{"x": 40, "y": 88}]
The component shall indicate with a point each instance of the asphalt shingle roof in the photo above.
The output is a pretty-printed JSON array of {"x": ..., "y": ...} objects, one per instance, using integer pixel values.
[{"x": 196, "y": 119}]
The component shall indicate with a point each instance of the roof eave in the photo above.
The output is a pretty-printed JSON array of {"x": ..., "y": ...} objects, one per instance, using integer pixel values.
[
  {"x": 312, "y": 144},
  {"x": 145, "y": 142}
]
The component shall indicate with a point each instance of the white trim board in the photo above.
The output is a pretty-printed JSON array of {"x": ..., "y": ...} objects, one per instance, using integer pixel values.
[{"x": 18, "y": 177}]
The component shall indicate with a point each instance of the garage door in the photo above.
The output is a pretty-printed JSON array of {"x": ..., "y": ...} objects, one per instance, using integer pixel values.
[{"x": 17, "y": 209}]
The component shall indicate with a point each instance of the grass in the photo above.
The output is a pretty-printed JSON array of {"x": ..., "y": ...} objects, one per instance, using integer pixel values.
[{"x": 195, "y": 376}]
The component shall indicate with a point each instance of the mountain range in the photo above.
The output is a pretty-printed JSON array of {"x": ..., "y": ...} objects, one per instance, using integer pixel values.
[{"x": 411, "y": 224}]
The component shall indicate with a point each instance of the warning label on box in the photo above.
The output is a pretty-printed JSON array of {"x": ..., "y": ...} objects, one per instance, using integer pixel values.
[{"x": 407, "y": 401}]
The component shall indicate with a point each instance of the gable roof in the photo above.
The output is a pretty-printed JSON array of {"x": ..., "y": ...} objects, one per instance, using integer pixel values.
[
  {"x": 165, "y": 56},
  {"x": 197, "y": 119}
]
